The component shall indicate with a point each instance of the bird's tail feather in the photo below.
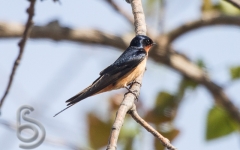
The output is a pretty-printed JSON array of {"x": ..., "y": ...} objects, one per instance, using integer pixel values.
[
  {"x": 73, "y": 100},
  {"x": 87, "y": 92},
  {"x": 80, "y": 96},
  {"x": 63, "y": 110}
]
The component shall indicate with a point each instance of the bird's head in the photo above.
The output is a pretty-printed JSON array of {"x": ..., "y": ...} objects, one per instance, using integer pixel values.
[{"x": 142, "y": 41}]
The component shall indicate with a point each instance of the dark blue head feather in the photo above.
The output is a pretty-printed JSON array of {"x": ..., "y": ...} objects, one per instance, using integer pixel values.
[{"x": 141, "y": 41}]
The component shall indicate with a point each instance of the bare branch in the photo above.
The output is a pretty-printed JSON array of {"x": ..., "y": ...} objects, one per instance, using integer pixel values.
[
  {"x": 185, "y": 67},
  {"x": 210, "y": 21},
  {"x": 137, "y": 118},
  {"x": 125, "y": 106},
  {"x": 128, "y": 101},
  {"x": 235, "y": 3},
  {"x": 54, "y": 31},
  {"x": 181, "y": 63},
  {"x": 21, "y": 45},
  {"x": 139, "y": 18},
  {"x": 164, "y": 54},
  {"x": 120, "y": 11}
]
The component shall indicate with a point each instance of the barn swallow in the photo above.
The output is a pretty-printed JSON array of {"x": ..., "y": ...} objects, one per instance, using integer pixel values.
[{"x": 121, "y": 73}]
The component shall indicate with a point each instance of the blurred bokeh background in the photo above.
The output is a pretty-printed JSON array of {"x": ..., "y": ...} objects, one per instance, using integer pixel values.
[{"x": 180, "y": 108}]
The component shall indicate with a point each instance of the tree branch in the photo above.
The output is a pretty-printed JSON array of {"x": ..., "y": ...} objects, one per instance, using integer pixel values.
[
  {"x": 172, "y": 59},
  {"x": 21, "y": 45},
  {"x": 128, "y": 101},
  {"x": 210, "y": 21},
  {"x": 235, "y": 3},
  {"x": 137, "y": 118},
  {"x": 181, "y": 63},
  {"x": 184, "y": 66},
  {"x": 139, "y": 18},
  {"x": 125, "y": 106},
  {"x": 55, "y": 32}
]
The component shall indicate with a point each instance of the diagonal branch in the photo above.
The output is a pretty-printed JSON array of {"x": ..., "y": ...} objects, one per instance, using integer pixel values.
[
  {"x": 184, "y": 66},
  {"x": 181, "y": 63},
  {"x": 214, "y": 20},
  {"x": 137, "y": 118},
  {"x": 21, "y": 45},
  {"x": 235, "y": 3}
]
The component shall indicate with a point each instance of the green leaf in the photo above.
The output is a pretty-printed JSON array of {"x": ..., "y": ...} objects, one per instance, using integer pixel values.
[
  {"x": 164, "y": 99},
  {"x": 219, "y": 123},
  {"x": 201, "y": 64},
  {"x": 128, "y": 144},
  {"x": 164, "y": 110},
  {"x": 188, "y": 83},
  {"x": 128, "y": 132},
  {"x": 228, "y": 8},
  {"x": 98, "y": 131},
  {"x": 150, "y": 3},
  {"x": 235, "y": 72},
  {"x": 183, "y": 85}
]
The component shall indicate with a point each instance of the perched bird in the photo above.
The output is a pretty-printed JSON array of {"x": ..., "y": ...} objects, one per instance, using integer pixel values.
[{"x": 121, "y": 73}]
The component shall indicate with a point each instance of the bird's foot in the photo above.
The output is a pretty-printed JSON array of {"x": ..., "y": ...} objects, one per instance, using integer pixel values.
[
  {"x": 130, "y": 91},
  {"x": 130, "y": 84},
  {"x": 137, "y": 83}
]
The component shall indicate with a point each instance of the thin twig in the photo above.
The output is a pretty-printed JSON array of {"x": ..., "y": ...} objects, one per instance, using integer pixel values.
[
  {"x": 21, "y": 45},
  {"x": 235, "y": 3},
  {"x": 120, "y": 11},
  {"x": 137, "y": 118}
]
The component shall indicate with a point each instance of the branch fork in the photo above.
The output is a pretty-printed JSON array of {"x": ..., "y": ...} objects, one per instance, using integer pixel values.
[{"x": 127, "y": 105}]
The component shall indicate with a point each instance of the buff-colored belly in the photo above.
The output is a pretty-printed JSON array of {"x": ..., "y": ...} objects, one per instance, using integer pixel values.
[{"x": 128, "y": 78}]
